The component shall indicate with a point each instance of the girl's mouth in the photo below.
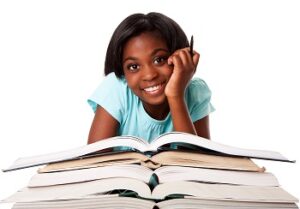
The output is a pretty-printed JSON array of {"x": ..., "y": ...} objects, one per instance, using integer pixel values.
[{"x": 154, "y": 89}]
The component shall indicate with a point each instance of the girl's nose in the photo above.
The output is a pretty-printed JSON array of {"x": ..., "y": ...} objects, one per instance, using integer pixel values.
[{"x": 149, "y": 73}]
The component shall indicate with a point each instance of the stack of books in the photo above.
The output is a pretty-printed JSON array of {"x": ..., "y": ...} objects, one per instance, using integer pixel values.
[{"x": 199, "y": 174}]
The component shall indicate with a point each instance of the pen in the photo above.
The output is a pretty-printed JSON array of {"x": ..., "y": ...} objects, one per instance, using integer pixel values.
[{"x": 191, "y": 46}]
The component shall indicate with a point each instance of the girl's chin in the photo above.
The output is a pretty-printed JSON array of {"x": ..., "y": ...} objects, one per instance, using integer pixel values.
[{"x": 156, "y": 102}]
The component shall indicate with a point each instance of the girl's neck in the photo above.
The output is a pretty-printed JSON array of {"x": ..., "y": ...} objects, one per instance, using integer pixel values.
[{"x": 158, "y": 112}]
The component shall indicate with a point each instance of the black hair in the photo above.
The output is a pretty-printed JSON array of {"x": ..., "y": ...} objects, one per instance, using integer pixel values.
[{"x": 136, "y": 24}]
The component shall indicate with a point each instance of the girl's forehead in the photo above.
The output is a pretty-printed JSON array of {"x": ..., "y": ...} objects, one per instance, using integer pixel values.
[
  {"x": 148, "y": 35},
  {"x": 144, "y": 45},
  {"x": 145, "y": 39}
]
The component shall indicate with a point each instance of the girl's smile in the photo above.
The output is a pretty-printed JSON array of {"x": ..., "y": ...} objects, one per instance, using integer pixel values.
[
  {"x": 155, "y": 89},
  {"x": 147, "y": 71}
]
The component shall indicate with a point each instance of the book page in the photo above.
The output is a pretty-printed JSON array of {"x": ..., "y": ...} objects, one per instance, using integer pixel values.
[
  {"x": 80, "y": 190},
  {"x": 193, "y": 159},
  {"x": 223, "y": 192},
  {"x": 54, "y": 168},
  {"x": 179, "y": 173},
  {"x": 94, "y": 161},
  {"x": 124, "y": 141},
  {"x": 82, "y": 175},
  {"x": 178, "y": 137},
  {"x": 192, "y": 202},
  {"x": 99, "y": 202}
]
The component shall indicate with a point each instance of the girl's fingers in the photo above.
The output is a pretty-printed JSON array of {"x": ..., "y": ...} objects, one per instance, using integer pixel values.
[
  {"x": 185, "y": 57},
  {"x": 177, "y": 61},
  {"x": 170, "y": 60},
  {"x": 186, "y": 61},
  {"x": 196, "y": 57}
]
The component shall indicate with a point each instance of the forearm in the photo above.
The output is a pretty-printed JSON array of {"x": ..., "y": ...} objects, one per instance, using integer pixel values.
[
  {"x": 103, "y": 126},
  {"x": 180, "y": 116}
]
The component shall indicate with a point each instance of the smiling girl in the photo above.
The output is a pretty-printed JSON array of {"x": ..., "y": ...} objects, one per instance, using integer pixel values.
[{"x": 149, "y": 87}]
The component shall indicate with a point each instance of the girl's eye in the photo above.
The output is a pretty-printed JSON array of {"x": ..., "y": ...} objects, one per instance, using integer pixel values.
[
  {"x": 133, "y": 67},
  {"x": 159, "y": 60}
]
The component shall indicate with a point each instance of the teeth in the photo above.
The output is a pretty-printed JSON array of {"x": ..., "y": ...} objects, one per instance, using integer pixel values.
[{"x": 152, "y": 88}]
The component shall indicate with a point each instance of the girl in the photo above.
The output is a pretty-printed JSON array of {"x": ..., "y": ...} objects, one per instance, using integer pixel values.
[{"x": 148, "y": 89}]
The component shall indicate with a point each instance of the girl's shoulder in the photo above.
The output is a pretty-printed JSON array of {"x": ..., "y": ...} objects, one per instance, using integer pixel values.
[
  {"x": 111, "y": 80},
  {"x": 198, "y": 96},
  {"x": 198, "y": 86},
  {"x": 111, "y": 92}
]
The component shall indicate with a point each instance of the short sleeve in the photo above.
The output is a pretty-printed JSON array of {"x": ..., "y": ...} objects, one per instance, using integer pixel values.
[
  {"x": 109, "y": 95},
  {"x": 198, "y": 97}
]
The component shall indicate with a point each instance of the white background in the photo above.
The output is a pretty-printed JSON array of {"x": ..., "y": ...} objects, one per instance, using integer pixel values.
[{"x": 52, "y": 55}]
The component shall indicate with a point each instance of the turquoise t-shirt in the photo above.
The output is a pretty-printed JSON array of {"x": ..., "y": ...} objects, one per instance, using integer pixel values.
[{"x": 114, "y": 95}]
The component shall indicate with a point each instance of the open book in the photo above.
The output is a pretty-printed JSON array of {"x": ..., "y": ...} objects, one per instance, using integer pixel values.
[
  {"x": 176, "y": 157},
  {"x": 142, "y": 146},
  {"x": 160, "y": 175},
  {"x": 113, "y": 202},
  {"x": 105, "y": 187}
]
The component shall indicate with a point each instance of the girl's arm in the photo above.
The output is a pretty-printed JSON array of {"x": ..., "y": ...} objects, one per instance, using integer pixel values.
[
  {"x": 202, "y": 127},
  {"x": 183, "y": 71},
  {"x": 103, "y": 126},
  {"x": 182, "y": 121}
]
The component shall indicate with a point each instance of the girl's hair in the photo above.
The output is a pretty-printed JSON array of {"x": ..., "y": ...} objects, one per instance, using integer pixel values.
[{"x": 136, "y": 24}]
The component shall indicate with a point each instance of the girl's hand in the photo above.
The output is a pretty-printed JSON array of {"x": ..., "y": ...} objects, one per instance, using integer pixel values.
[{"x": 183, "y": 71}]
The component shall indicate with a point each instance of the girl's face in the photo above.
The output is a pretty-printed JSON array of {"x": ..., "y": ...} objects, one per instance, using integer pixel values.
[{"x": 146, "y": 69}]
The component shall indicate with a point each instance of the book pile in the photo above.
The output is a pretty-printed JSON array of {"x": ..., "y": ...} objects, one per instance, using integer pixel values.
[{"x": 204, "y": 174}]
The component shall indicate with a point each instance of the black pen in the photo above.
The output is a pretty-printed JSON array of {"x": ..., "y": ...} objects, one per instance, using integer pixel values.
[{"x": 191, "y": 46}]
